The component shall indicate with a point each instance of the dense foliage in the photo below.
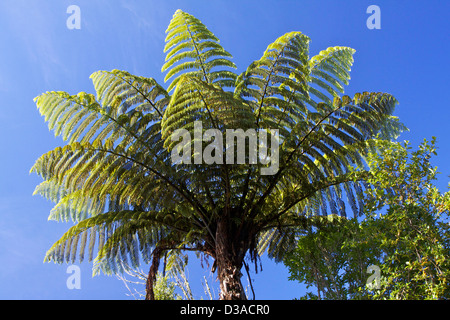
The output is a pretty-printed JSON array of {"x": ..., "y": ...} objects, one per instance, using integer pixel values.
[{"x": 405, "y": 233}]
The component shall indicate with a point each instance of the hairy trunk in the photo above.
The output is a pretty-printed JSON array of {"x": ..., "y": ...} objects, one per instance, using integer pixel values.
[
  {"x": 151, "y": 278},
  {"x": 230, "y": 252}
]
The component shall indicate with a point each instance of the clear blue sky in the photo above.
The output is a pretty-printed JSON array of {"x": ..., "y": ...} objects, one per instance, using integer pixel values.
[{"x": 407, "y": 57}]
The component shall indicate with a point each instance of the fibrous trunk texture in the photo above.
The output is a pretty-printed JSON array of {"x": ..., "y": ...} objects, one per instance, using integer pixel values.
[{"x": 229, "y": 260}]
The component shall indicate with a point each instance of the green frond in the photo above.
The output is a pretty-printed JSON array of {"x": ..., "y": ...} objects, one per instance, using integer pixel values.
[
  {"x": 113, "y": 231},
  {"x": 330, "y": 71},
  {"x": 65, "y": 112},
  {"x": 275, "y": 81},
  {"x": 191, "y": 48},
  {"x": 196, "y": 100},
  {"x": 120, "y": 91}
]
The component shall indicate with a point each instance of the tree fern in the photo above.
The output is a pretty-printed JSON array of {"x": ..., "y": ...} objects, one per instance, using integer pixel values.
[{"x": 130, "y": 203}]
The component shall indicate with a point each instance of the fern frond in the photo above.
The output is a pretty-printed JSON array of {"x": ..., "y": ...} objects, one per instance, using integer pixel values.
[
  {"x": 274, "y": 84},
  {"x": 120, "y": 91},
  {"x": 115, "y": 228},
  {"x": 196, "y": 100},
  {"x": 192, "y": 48}
]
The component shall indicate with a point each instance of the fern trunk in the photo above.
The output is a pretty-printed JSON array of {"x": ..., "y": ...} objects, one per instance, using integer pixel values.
[
  {"x": 151, "y": 278},
  {"x": 231, "y": 247}
]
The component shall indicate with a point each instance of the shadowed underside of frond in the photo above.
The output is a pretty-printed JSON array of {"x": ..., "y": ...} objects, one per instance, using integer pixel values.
[{"x": 120, "y": 236}]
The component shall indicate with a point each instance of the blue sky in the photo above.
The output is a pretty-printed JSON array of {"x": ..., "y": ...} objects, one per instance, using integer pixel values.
[{"x": 407, "y": 57}]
